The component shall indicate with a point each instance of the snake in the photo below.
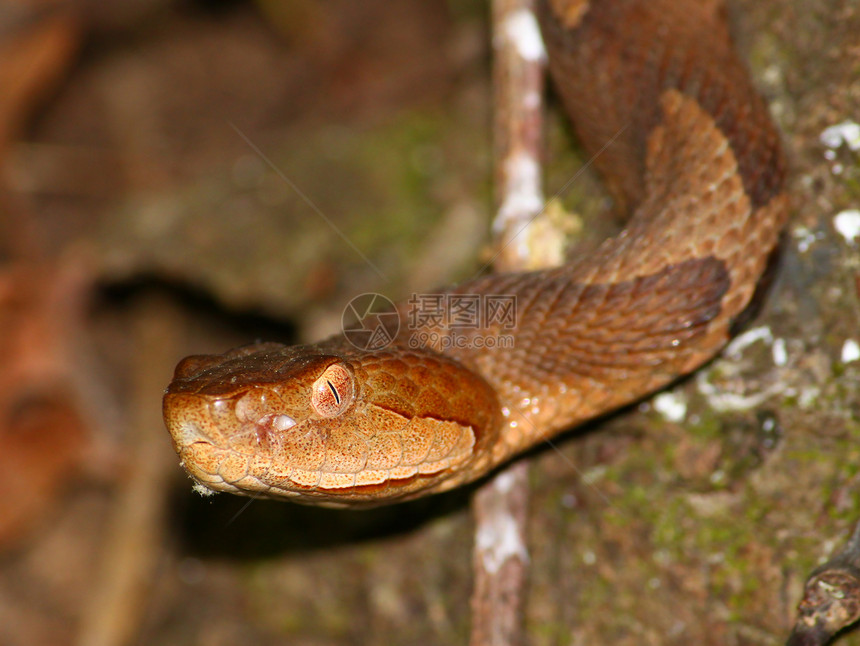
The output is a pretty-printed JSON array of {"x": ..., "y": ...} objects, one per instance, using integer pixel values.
[{"x": 695, "y": 161}]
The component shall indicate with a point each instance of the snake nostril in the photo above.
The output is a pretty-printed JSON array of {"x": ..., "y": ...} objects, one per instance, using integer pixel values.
[{"x": 188, "y": 432}]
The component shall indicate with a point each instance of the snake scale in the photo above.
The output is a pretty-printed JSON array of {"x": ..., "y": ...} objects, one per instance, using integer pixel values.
[{"x": 697, "y": 162}]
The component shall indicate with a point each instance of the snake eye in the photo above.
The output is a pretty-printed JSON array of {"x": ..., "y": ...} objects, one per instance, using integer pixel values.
[{"x": 333, "y": 391}]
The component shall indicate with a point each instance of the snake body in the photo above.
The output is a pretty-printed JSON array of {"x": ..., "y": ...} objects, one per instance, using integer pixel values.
[{"x": 698, "y": 162}]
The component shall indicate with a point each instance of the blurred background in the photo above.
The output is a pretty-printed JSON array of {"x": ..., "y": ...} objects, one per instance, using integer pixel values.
[{"x": 173, "y": 177}]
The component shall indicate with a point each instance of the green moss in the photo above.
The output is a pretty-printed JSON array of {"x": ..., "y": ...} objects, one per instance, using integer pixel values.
[
  {"x": 386, "y": 187},
  {"x": 708, "y": 425}
]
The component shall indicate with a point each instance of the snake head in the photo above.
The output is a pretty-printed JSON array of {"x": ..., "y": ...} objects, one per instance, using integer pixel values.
[{"x": 329, "y": 424}]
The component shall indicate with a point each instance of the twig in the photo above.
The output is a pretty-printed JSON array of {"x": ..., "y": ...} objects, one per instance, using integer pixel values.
[
  {"x": 518, "y": 126},
  {"x": 831, "y": 599},
  {"x": 500, "y": 559},
  {"x": 501, "y": 507}
]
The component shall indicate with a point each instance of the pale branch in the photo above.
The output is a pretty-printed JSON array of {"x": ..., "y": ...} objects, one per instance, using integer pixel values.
[{"x": 501, "y": 506}]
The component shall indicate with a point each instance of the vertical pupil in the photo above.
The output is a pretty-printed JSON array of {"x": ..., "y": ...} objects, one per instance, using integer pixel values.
[{"x": 333, "y": 391}]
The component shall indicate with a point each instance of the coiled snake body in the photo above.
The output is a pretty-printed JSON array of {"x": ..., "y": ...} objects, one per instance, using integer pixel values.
[{"x": 699, "y": 162}]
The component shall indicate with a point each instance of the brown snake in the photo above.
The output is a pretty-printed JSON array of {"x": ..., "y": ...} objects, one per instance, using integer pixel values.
[{"x": 699, "y": 162}]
